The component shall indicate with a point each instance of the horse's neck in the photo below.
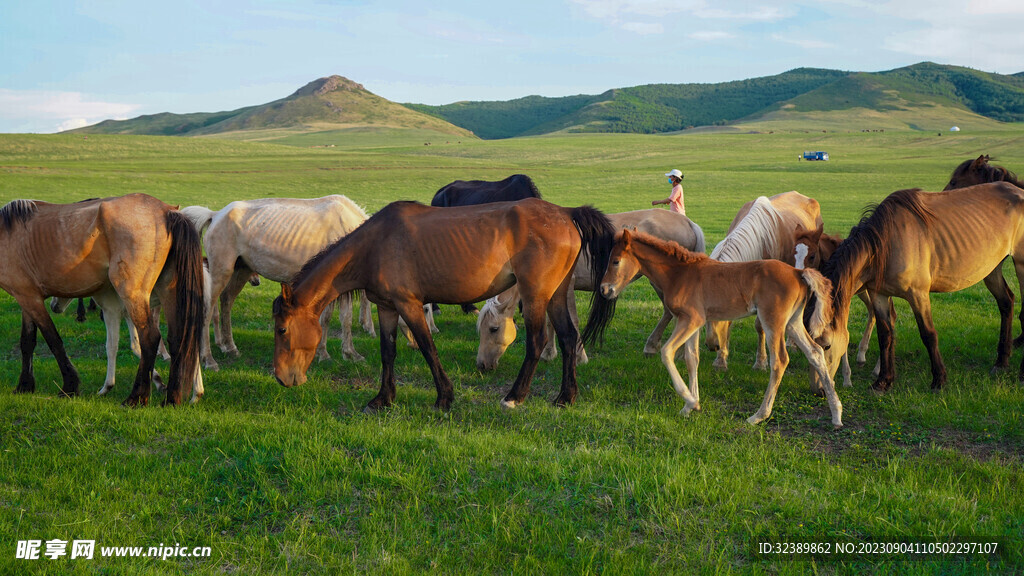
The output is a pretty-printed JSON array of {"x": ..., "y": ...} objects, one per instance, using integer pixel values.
[
  {"x": 338, "y": 273},
  {"x": 851, "y": 278},
  {"x": 655, "y": 264}
]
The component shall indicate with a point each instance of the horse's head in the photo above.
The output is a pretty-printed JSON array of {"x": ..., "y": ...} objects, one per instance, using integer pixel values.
[
  {"x": 497, "y": 330},
  {"x": 971, "y": 172},
  {"x": 296, "y": 335},
  {"x": 806, "y": 253},
  {"x": 622, "y": 267}
]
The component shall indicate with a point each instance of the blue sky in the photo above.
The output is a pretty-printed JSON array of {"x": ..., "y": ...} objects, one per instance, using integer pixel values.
[{"x": 65, "y": 64}]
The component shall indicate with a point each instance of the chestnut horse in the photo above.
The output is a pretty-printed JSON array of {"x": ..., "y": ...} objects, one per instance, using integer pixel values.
[
  {"x": 916, "y": 242},
  {"x": 495, "y": 323},
  {"x": 408, "y": 254},
  {"x": 698, "y": 289},
  {"x": 764, "y": 228},
  {"x": 130, "y": 247}
]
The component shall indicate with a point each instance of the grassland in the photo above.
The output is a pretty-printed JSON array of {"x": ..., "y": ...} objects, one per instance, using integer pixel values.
[{"x": 278, "y": 480}]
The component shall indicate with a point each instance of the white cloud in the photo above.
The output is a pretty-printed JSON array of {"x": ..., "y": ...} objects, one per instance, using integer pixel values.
[
  {"x": 803, "y": 42},
  {"x": 55, "y": 111},
  {"x": 642, "y": 28},
  {"x": 626, "y": 14}
]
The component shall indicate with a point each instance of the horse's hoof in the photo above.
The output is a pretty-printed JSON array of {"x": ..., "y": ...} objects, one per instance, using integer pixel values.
[
  {"x": 763, "y": 366},
  {"x": 353, "y": 357},
  {"x": 103, "y": 391},
  {"x": 648, "y": 352},
  {"x": 837, "y": 426},
  {"x": 135, "y": 402},
  {"x": 720, "y": 365},
  {"x": 509, "y": 404},
  {"x": 755, "y": 420},
  {"x": 562, "y": 402},
  {"x": 373, "y": 409},
  {"x": 211, "y": 365}
]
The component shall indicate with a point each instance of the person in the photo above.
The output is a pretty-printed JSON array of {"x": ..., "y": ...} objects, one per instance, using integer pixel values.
[{"x": 675, "y": 198}]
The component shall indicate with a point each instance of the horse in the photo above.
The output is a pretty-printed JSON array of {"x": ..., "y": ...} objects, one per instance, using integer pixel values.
[
  {"x": 272, "y": 237},
  {"x": 495, "y": 323},
  {"x": 916, "y": 242},
  {"x": 979, "y": 171},
  {"x": 698, "y": 289},
  {"x": 764, "y": 228},
  {"x": 408, "y": 254},
  {"x": 470, "y": 192},
  {"x": 131, "y": 247}
]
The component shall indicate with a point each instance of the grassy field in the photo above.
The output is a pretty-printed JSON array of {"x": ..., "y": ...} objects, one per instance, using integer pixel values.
[{"x": 278, "y": 480}]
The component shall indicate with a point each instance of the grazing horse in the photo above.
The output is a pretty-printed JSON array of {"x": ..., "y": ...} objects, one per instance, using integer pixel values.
[
  {"x": 131, "y": 248},
  {"x": 470, "y": 192},
  {"x": 408, "y": 254},
  {"x": 498, "y": 329},
  {"x": 763, "y": 229},
  {"x": 914, "y": 243},
  {"x": 272, "y": 237},
  {"x": 698, "y": 289}
]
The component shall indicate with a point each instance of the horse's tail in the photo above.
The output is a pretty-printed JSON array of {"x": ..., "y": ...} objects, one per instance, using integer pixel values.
[
  {"x": 185, "y": 324},
  {"x": 821, "y": 299},
  {"x": 699, "y": 246},
  {"x": 199, "y": 216},
  {"x": 598, "y": 235}
]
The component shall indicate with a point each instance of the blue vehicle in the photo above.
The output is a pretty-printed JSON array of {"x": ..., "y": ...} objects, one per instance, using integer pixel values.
[{"x": 815, "y": 155}]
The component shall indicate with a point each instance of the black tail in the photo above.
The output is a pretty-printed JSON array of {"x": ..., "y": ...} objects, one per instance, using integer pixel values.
[
  {"x": 598, "y": 235},
  {"x": 184, "y": 326}
]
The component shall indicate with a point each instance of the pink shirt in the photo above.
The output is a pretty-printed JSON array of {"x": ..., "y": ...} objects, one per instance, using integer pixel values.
[{"x": 676, "y": 200}]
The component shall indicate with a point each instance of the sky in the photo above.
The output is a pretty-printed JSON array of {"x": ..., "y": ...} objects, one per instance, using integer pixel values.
[{"x": 66, "y": 64}]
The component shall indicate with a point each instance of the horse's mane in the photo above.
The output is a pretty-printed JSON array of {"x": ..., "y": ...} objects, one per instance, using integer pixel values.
[
  {"x": 755, "y": 235},
  {"x": 669, "y": 248},
  {"x": 878, "y": 225},
  {"x": 17, "y": 211},
  {"x": 533, "y": 187},
  {"x": 320, "y": 256}
]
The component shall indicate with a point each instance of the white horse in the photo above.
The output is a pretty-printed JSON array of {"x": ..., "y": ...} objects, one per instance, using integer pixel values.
[
  {"x": 273, "y": 237},
  {"x": 764, "y": 229},
  {"x": 495, "y": 323}
]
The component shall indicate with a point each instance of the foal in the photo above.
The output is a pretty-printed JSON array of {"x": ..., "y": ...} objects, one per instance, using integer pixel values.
[{"x": 697, "y": 289}]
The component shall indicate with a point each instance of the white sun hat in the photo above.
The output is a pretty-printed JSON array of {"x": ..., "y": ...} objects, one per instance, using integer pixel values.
[{"x": 675, "y": 173}]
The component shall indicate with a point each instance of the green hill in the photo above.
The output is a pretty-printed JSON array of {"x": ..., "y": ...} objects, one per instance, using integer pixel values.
[{"x": 327, "y": 104}]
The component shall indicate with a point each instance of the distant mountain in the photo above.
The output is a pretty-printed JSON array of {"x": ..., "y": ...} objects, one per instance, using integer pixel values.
[
  {"x": 324, "y": 104},
  {"x": 919, "y": 97},
  {"x": 808, "y": 91}
]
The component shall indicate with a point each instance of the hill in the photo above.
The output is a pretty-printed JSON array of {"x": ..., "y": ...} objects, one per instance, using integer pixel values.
[
  {"x": 943, "y": 94},
  {"x": 332, "y": 103}
]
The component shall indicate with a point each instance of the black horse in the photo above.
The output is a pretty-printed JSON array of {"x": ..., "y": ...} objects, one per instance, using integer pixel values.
[{"x": 469, "y": 192}]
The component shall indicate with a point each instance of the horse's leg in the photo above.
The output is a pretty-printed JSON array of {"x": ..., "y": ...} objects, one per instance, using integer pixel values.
[
  {"x": 816, "y": 358},
  {"x": 761, "y": 362},
  {"x": 36, "y": 311},
  {"x": 691, "y": 355},
  {"x": 236, "y": 282},
  {"x": 348, "y": 351},
  {"x": 653, "y": 343},
  {"x": 886, "y": 345},
  {"x": 149, "y": 339},
  {"x": 581, "y": 354},
  {"x": 388, "y": 320},
  {"x": 27, "y": 379},
  {"x": 366, "y": 315},
  {"x": 687, "y": 327},
  {"x": 865, "y": 339},
  {"x": 417, "y": 322},
  {"x": 219, "y": 278},
  {"x": 560, "y": 312},
  {"x": 112, "y": 321},
  {"x": 1018, "y": 267},
  {"x": 721, "y": 337},
  {"x": 428, "y": 312},
  {"x": 325, "y": 325},
  {"x": 533, "y": 319},
  {"x": 921, "y": 304},
  {"x": 551, "y": 344},
  {"x": 996, "y": 284},
  {"x": 779, "y": 359}
]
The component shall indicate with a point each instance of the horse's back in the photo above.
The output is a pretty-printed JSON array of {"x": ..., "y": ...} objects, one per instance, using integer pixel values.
[
  {"x": 469, "y": 192},
  {"x": 799, "y": 208},
  {"x": 663, "y": 224}
]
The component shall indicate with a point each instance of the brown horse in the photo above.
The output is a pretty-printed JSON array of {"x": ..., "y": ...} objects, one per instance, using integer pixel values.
[
  {"x": 979, "y": 171},
  {"x": 408, "y": 254},
  {"x": 132, "y": 246},
  {"x": 914, "y": 243},
  {"x": 698, "y": 289}
]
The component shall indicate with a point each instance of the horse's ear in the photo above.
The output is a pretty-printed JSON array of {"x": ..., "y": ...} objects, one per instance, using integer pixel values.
[
  {"x": 286, "y": 292},
  {"x": 800, "y": 230},
  {"x": 626, "y": 237},
  {"x": 981, "y": 161},
  {"x": 816, "y": 235}
]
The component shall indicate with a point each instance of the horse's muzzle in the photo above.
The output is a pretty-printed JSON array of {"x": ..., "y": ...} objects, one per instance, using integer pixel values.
[{"x": 609, "y": 292}]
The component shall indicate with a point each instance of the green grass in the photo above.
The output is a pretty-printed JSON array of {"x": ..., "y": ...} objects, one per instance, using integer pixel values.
[{"x": 279, "y": 480}]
